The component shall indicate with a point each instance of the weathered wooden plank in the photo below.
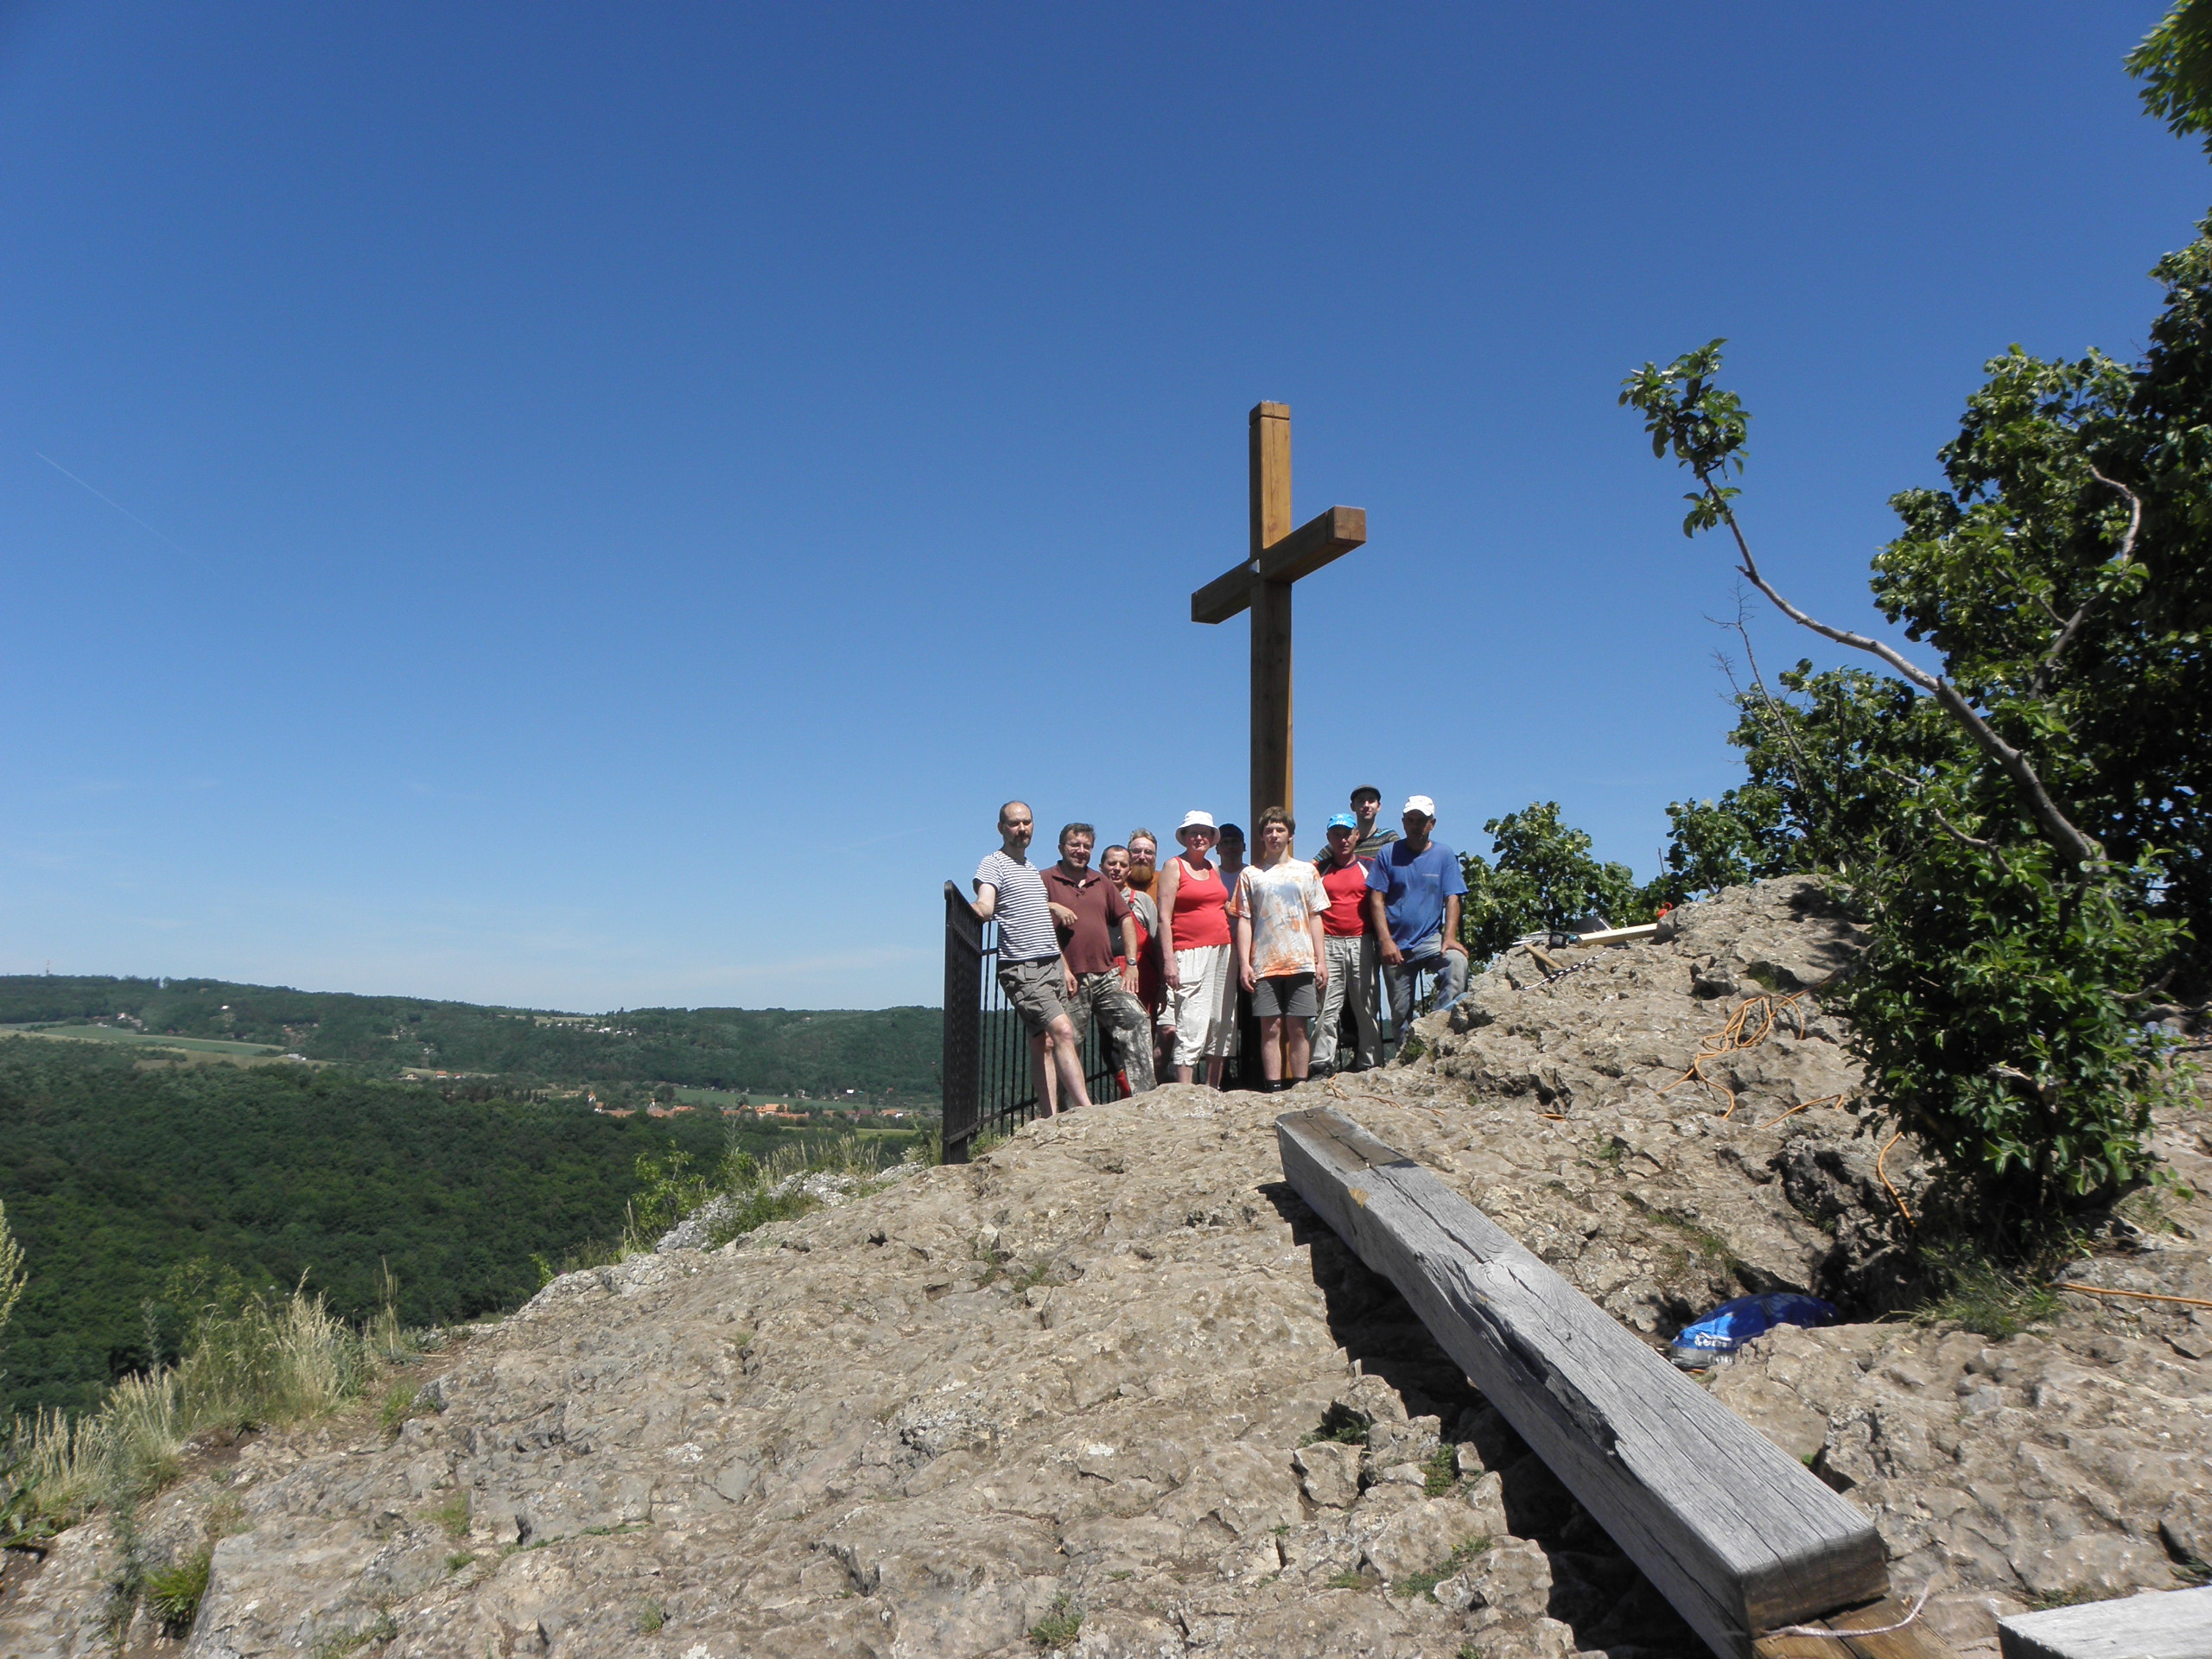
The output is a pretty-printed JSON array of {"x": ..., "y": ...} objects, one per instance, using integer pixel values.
[
  {"x": 2163, "y": 1624},
  {"x": 1613, "y": 935},
  {"x": 1867, "y": 1632},
  {"x": 1916, "y": 1641},
  {"x": 1733, "y": 1530}
]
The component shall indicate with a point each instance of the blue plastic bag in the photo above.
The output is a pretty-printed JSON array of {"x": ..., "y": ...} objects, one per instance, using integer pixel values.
[{"x": 1731, "y": 1325}]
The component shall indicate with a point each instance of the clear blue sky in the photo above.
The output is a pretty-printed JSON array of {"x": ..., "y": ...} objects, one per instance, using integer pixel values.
[{"x": 603, "y": 501}]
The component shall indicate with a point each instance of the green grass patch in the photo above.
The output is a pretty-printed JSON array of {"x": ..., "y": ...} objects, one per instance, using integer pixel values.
[
  {"x": 174, "y": 1594},
  {"x": 128, "y": 1038},
  {"x": 1425, "y": 1583},
  {"x": 1058, "y": 1628},
  {"x": 383, "y": 1628},
  {"x": 1440, "y": 1473},
  {"x": 401, "y": 1401},
  {"x": 2052, "y": 1600},
  {"x": 1341, "y": 1424},
  {"x": 451, "y": 1517},
  {"x": 1984, "y": 1297},
  {"x": 251, "y": 1358}
]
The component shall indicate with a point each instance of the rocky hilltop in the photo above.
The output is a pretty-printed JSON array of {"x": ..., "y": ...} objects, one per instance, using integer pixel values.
[{"x": 1113, "y": 1390}]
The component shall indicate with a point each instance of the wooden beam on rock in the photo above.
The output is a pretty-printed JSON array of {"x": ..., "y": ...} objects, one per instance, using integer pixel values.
[
  {"x": 1737, "y": 1534},
  {"x": 1868, "y": 1632},
  {"x": 2163, "y": 1625}
]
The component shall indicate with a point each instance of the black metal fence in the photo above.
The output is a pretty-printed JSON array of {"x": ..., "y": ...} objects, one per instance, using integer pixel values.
[{"x": 989, "y": 1087}]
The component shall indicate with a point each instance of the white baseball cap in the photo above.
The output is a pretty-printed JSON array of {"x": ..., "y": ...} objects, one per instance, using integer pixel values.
[
  {"x": 1195, "y": 821},
  {"x": 1421, "y": 805}
]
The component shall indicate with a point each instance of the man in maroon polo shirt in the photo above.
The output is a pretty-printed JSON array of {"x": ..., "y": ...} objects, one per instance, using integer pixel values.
[{"x": 1101, "y": 953}]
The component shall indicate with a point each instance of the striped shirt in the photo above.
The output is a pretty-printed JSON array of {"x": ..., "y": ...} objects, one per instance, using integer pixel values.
[{"x": 1026, "y": 932}]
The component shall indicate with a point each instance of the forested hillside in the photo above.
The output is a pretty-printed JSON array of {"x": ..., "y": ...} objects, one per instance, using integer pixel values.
[
  {"x": 878, "y": 1052},
  {"x": 113, "y": 1175}
]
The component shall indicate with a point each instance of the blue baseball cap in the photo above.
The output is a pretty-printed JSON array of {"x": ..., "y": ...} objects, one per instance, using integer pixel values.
[{"x": 1343, "y": 821}]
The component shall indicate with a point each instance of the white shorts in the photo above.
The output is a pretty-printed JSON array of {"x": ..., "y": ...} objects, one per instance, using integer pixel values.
[{"x": 1205, "y": 1006}]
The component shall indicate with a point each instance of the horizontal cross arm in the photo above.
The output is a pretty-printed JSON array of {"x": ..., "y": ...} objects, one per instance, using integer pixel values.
[
  {"x": 1306, "y": 550},
  {"x": 1226, "y": 595},
  {"x": 1326, "y": 536}
]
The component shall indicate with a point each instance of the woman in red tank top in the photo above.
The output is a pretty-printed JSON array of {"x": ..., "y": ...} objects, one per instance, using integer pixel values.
[{"x": 1194, "y": 953}]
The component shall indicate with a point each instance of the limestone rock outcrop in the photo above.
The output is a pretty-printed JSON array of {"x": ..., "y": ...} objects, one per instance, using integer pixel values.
[{"x": 1114, "y": 1390}]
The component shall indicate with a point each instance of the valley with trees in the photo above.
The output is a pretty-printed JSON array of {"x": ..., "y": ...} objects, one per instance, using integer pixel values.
[
  {"x": 879, "y": 1054},
  {"x": 127, "y": 1163}
]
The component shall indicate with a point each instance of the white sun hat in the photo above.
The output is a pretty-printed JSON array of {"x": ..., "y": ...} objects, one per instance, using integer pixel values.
[
  {"x": 1195, "y": 821},
  {"x": 1420, "y": 803}
]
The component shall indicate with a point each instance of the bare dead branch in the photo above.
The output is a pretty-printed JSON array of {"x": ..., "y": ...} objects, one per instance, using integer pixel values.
[
  {"x": 2079, "y": 849},
  {"x": 1799, "y": 765}
]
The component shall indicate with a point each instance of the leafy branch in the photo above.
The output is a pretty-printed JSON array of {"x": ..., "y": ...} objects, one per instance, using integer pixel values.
[{"x": 1704, "y": 426}]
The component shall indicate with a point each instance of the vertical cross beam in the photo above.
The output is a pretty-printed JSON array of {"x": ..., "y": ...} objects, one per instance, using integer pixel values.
[
  {"x": 1260, "y": 582},
  {"x": 1271, "y": 744}
]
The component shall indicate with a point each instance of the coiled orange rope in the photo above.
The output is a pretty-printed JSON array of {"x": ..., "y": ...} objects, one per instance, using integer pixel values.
[{"x": 1752, "y": 1023}]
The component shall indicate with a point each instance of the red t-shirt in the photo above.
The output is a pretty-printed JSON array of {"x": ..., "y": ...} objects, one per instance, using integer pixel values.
[{"x": 1346, "y": 916}]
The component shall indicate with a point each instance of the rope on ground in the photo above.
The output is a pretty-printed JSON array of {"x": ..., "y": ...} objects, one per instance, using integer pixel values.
[
  {"x": 1336, "y": 1090},
  {"x": 2140, "y": 1295},
  {"x": 1740, "y": 1033},
  {"x": 1926, "y": 1590},
  {"x": 1825, "y": 1100},
  {"x": 1880, "y": 1170},
  {"x": 1550, "y": 980}
]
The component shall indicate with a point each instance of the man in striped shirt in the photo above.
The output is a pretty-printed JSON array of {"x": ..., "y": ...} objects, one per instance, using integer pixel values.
[{"x": 1010, "y": 890}]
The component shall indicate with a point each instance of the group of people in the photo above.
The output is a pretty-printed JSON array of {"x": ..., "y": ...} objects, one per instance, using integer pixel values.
[{"x": 1166, "y": 956}]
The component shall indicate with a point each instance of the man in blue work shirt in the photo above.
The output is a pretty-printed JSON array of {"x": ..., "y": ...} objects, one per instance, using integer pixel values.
[{"x": 1414, "y": 889}]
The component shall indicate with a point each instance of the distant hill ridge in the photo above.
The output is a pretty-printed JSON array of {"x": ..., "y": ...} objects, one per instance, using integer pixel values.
[{"x": 872, "y": 1052}]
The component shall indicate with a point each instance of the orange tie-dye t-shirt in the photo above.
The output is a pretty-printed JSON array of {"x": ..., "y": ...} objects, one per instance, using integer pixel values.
[{"x": 1281, "y": 902}]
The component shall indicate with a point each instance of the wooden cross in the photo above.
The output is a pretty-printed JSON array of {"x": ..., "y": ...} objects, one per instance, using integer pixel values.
[{"x": 1279, "y": 556}]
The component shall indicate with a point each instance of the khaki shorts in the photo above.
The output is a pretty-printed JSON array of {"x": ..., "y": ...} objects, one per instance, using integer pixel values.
[{"x": 1037, "y": 991}]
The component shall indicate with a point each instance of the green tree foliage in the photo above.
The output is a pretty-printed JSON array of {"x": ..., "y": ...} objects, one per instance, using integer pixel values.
[
  {"x": 1540, "y": 875},
  {"x": 876, "y": 1051},
  {"x": 1997, "y": 1013},
  {"x": 1725, "y": 843},
  {"x": 1833, "y": 760},
  {"x": 113, "y": 1175},
  {"x": 2175, "y": 65},
  {"x": 2025, "y": 829}
]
